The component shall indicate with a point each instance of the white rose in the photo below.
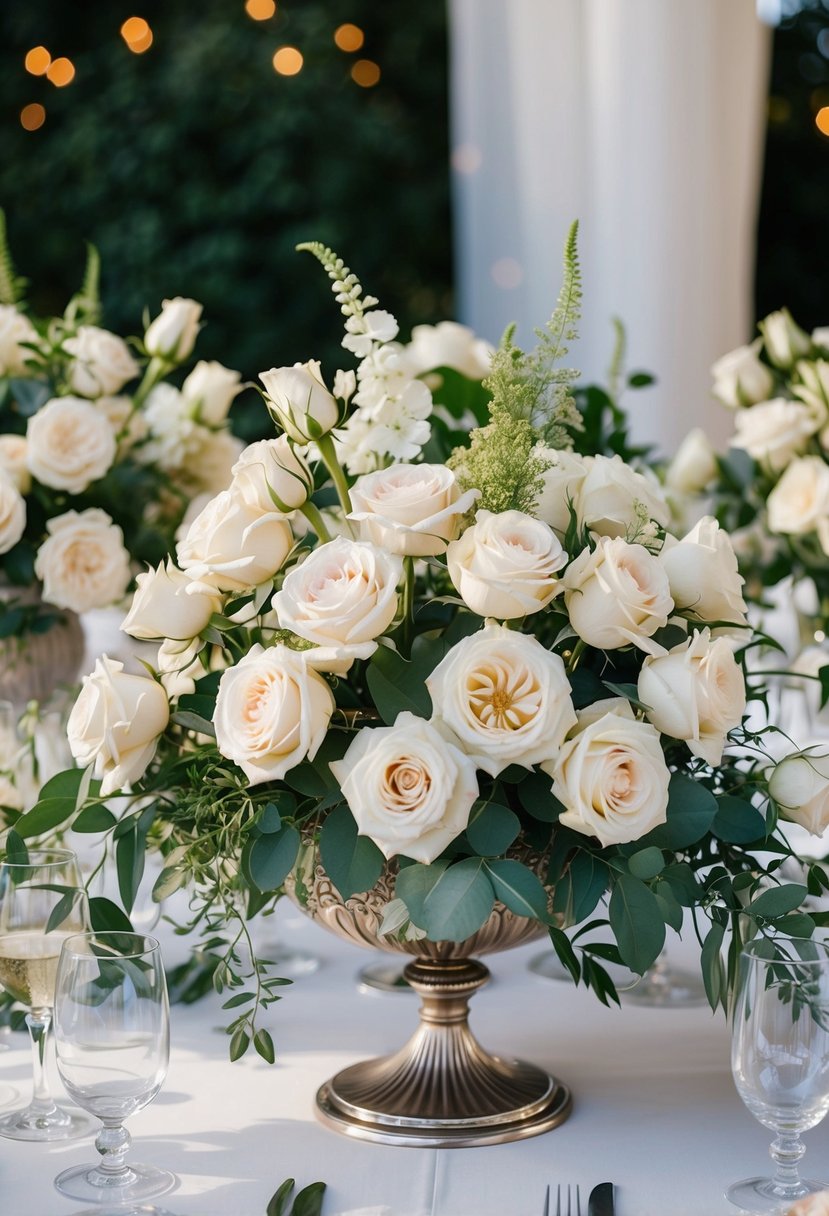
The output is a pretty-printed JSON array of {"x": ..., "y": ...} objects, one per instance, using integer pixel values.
[
  {"x": 83, "y": 563},
  {"x": 271, "y": 713},
  {"x": 703, "y": 575},
  {"x": 412, "y": 509},
  {"x": 232, "y": 545},
  {"x": 15, "y": 330},
  {"x": 611, "y": 776},
  {"x": 179, "y": 665},
  {"x": 814, "y": 387},
  {"x": 101, "y": 362},
  {"x": 799, "y": 785},
  {"x": 562, "y": 481},
  {"x": 162, "y": 608},
  {"x": 214, "y": 455},
  {"x": 209, "y": 390},
  {"x": 505, "y": 565},
  {"x": 505, "y": 697},
  {"x": 115, "y": 724},
  {"x": 785, "y": 341},
  {"x": 695, "y": 464},
  {"x": 344, "y": 595},
  {"x": 820, "y": 337},
  {"x": 409, "y": 789},
  {"x": 448, "y": 344},
  {"x": 774, "y": 431},
  {"x": 800, "y": 500},
  {"x": 13, "y": 449},
  {"x": 618, "y": 595},
  {"x": 70, "y": 444},
  {"x": 172, "y": 335},
  {"x": 12, "y": 513},
  {"x": 300, "y": 402},
  {"x": 271, "y": 473},
  {"x": 695, "y": 692},
  {"x": 614, "y": 500},
  {"x": 741, "y": 378}
]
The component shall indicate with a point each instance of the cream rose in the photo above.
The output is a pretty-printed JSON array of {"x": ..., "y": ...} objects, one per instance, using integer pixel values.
[
  {"x": 820, "y": 337},
  {"x": 300, "y": 402},
  {"x": 505, "y": 565},
  {"x": 448, "y": 344},
  {"x": 800, "y": 500},
  {"x": 272, "y": 474},
  {"x": 101, "y": 362},
  {"x": 69, "y": 444},
  {"x": 799, "y": 785},
  {"x": 12, "y": 513},
  {"x": 562, "y": 480},
  {"x": 505, "y": 697},
  {"x": 210, "y": 467},
  {"x": 162, "y": 608},
  {"x": 83, "y": 563},
  {"x": 15, "y": 331},
  {"x": 271, "y": 713},
  {"x": 209, "y": 390},
  {"x": 741, "y": 378},
  {"x": 611, "y": 776},
  {"x": 172, "y": 335},
  {"x": 694, "y": 466},
  {"x": 814, "y": 387},
  {"x": 232, "y": 545},
  {"x": 703, "y": 575},
  {"x": 695, "y": 692},
  {"x": 409, "y": 789},
  {"x": 615, "y": 500},
  {"x": 343, "y": 596},
  {"x": 618, "y": 595},
  {"x": 774, "y": 431},
  {"x": 129, "y": 426},
  {"x": 411, "y": 509},
  {"x": 115, "y": 724},
  {"x": 13, "y": 462},
  {"x": 785, "y": 341}
]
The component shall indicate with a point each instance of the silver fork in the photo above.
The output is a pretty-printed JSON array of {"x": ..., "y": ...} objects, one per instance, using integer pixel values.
[{"x": 571, "y": 1211}]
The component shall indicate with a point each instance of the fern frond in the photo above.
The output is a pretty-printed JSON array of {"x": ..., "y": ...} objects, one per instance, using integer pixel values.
[
  {"x": 561, "y": 327},
  {"x": 10, "y": 285},
  {"x": 345, "y": 285}
]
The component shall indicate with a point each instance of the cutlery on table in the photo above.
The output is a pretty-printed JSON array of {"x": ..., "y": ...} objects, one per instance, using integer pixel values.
[
  {"x": 571, "y": 1210},
  {"x": 600, "y": 1201}
]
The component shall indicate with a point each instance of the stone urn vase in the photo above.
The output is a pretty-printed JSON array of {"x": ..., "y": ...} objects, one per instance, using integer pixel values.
[{"x": 33, "y": 665}]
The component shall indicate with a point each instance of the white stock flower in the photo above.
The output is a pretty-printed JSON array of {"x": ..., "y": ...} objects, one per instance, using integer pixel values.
[
  {"x": 703, "y": 574},
  {"x": 773, "y": 432},
  {"x": 364, "y": 331},
  {"x": 13, "y": 462},
  {"x": 694, "y": 465},
  {"x": 695, "y": 692},
  {"x": 300, "y": 402},
  {"x": 345, "y": 384},
  {"x": 505, "y": 697},
  {"x": 799, "y": 784},
  {"x": 162, "y": 608},
  {"x": 101, "y": 362},
  {"x": 272, "y": 712},
  {"x": 506, "y": 564},
  {"x": 172, "y": 335},
  {"x": 611, "y": 776},
  {"x": 83, "y": 563},
  {"x": 614, "y": 500},
  {"x": 617, "y": 595},
  {"x": 741, "y": 378},
  {"x": 411, "y": 509},
  {"x": 15, "y": 330},
  {"x": 69, "y": 444},
  {"x": 800, "y": 500},
  {"x": 233, "y": 544},
  {"x": 342, "y": 596},
  {"x": 562, "y": 481},
  {"x": 409, "y": 789},
  {"x": 12, "y": 513},
  {"x": 448, "y": 344},
  {"x": 115, "y": 724},
  {"x": 209, "y": 391},
  {"x": 785, "y": 341},
  {"x": 271, "y": 473}
]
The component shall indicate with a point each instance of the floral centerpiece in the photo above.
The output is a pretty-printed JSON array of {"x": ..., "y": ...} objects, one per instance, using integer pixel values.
[{"x": 494, "y": 682}]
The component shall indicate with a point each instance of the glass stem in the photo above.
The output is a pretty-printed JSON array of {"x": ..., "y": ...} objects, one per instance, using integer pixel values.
[
  {"x": 786, "y": 1152},
  {"x": 113, "y": 1142},
  {"x": 39, "y": 1021}
]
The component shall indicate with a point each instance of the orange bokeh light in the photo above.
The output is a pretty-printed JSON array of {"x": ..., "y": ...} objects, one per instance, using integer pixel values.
[
  {"x": 349, "y": 37},
  {"x": 365, "y": 73},
  {"x": 32, "y": 116},
  {"x": 288, "y": 61},
  {"x": 260, "y": 10},
  {"x": 134, "y": 29},
  {"x": 37, "y": 60},
  {"x": 61, "y": 72},
  {"x": 822, "y": 120}
]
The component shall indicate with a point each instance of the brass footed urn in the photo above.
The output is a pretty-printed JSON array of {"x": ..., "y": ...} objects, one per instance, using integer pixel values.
[{"x": 442, "y": 1089}]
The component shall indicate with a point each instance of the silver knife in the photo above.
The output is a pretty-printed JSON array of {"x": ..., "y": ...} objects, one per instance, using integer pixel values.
[{"x": 600, "y": 1202}]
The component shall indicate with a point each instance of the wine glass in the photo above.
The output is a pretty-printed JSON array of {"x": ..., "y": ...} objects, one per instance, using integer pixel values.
[
  {"x": 42, "y": 902},
  {"x": 112, "y": 1035},
  {"x": 780, "y": 1059}
]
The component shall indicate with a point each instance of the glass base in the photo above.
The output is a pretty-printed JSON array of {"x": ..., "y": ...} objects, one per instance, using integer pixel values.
[
  {"x": 761, "y": 1195},
  {"x": 290, "y": 964},
  {"x": 549, "y": 967},
  {"x": 8, "y": 1094},
  {"x": 58, "y": 1124},
  {"x": 145, "y": 1209},
  {"x": 663, "y": 986},
  {"x": 386, "y": 975},
  {"x": 89, "y": 1184}
]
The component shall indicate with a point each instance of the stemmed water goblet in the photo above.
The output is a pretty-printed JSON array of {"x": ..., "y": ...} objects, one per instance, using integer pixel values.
[
  {"x": 42, "y": 901},
  {"x": 780, "y": 1059},
  {"x": 112, "y": 1035}
]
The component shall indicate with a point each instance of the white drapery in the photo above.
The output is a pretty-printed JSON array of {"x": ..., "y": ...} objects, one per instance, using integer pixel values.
[{"x": 644, "y": 119}]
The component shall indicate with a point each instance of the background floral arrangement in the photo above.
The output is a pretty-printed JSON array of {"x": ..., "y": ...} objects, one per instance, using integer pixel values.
[
  {"x": 99, "y": 455},
  {"x": 498, "y": 676}
]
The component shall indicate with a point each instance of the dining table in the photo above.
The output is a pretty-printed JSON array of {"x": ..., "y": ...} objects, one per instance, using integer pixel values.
[{"x": 655, "y": 1110}]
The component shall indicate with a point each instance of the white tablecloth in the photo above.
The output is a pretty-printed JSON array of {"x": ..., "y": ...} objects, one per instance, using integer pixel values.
[{"x": 655, "y": 1108}]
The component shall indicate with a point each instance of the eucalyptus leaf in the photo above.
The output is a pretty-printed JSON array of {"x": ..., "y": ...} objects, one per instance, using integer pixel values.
[
  {"x": 737, "y": 821},
  {"x": 713, "y": 968},
  {"x": 459, "y": 903},
  {"x": 263, "y": 1043},
  {"x": 107, "y": 917},
  {"x": 396, "y": 685},
  {"x": 691, "y": 811},
  {"x": 777, "y": 901},
  {"x": 492, "y": 829},
  {"x": 580, "y": 887},
  {"x": 647, "y": 863},
  {"x": 278, "y": 1204},
  {"x": 239, "y": 1043},
  {"x": 352, "y": 862},
  {"x": 518, "y": 888},
  {"x": 309, "y": 1200},
  {"x": 95, "y": 818},
  {"x": 636, "y": 922},
  {"x": 272, "y": 858}
]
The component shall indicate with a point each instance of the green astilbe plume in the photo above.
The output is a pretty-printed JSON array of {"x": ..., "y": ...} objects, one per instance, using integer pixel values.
[
  {"x": 11, "y": 287},
  {"x": 531, "y": 405}
]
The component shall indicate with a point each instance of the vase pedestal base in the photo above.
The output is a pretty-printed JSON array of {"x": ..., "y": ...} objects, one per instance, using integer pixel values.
[{"x": 443, "y": 1090}]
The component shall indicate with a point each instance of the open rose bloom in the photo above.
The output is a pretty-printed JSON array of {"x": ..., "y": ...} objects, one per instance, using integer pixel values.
[{"x": 487, "y": 670}]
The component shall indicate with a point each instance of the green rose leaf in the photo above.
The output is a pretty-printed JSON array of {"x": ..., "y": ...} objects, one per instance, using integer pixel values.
[
  {"x": 518, "y": 888},
  {"x": 272, "y": 857},
  {"x": 492, "y": 829},
  {"x": 352, "y": 862},
  {"x": 637, "y": 923}
]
